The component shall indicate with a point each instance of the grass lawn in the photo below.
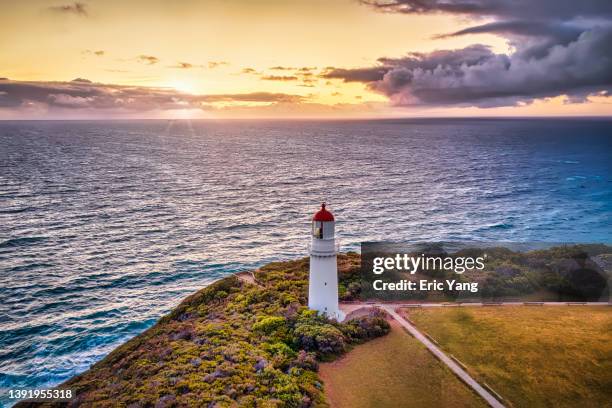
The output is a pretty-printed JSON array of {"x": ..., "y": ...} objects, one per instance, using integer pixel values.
[
  {"x": 533, "y": 356},
  {"x": 393, "y": 371}
]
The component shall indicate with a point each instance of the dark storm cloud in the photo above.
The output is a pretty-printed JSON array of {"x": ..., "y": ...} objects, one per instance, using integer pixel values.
[
  {"x": 560, "y": 47},
  {"x": 369, "y": 74},
  {"x": 561, "y": 31},
  {"x": 82, "y": 80},
  {"x": 477, "y": 76},
  {"x": 80, "y": 9},
  {"x": 424, "y": 61},
  {"x": 83, "y": 94},
  {"x": 501, "y": 9}
]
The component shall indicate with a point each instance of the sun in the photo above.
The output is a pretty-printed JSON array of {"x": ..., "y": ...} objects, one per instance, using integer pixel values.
[{"x": 182, "y": 85}]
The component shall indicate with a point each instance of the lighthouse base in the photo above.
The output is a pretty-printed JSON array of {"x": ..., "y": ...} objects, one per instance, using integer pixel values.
[
  {"x": 340, "y": 316},
  {"x": 323, "y": 286}
]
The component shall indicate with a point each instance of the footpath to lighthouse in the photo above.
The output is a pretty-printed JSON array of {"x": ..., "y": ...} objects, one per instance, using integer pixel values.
[{"x": 440, "y": 355}]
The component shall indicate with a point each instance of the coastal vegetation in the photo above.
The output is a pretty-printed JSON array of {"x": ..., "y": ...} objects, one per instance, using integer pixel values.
[
  {"x": 533, "y": 356},
  {"x": 231, "y": 343}
]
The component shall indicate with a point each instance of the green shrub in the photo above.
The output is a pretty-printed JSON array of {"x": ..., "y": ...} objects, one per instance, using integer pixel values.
[
  {"x": 367, "y": 327},
  {"x": 270, "y": 324},
  {"x": 324, "y": 339}
]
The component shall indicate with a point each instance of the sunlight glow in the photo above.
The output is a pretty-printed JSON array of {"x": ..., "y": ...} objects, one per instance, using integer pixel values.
[{"x": 183, "y": 85}]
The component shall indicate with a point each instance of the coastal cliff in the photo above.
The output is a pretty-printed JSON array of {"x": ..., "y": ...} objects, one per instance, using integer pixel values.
[{"x": 240, "y": 341}]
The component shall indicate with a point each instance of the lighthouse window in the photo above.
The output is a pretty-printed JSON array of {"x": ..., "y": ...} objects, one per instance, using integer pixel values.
[
  {"x": 325, "y": 283},
  {"x": 317, "y": 230}
]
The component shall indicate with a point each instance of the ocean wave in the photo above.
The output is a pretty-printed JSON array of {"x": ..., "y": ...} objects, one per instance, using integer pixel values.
[
  {"x": 24, "y": 241},
  {"x": 16, "y": 210}
]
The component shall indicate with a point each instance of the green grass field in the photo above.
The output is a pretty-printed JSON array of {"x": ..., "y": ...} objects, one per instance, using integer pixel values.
[
  {"x": 393, "y": 371},
  {"x": 533, "y": 356}
]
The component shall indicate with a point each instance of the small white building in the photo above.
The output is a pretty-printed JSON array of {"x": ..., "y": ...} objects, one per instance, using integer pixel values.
[{"x": 323, "y": 279}]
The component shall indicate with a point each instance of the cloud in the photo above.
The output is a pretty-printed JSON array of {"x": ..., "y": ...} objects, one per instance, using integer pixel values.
[
  {"x": 69, "y": 101},
  {"x": 83, "y": 94},
  {"x": 254, "y": 97},
  {"x": 97, "y": 53},
  {"x": 559, "y": 47},
  {"x": 147, "y": 59},
  {"x": 281, "y": 68},
  {"x": 563, "y": 20},
  {"x": 279, "y": 78},
  {"x": 82, "y": 80},
  {"x": 564, "y": 32},
  {"x": 249, "y": 71},
  {"x": 185, "y": 65},
  {"x": 368, "y": 74},
  {"x": 500, "y": 9},
  {"x": 79, "y": 9},
  {"x": 216, "y": 64},
  {"x": 478, "y": 77}
]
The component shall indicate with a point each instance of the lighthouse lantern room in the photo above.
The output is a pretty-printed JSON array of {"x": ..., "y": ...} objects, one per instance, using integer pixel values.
[{"x": 323, "y": 279}]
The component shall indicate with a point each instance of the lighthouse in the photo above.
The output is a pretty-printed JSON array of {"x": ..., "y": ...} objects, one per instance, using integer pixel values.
[{"x": 323, "y": 279}]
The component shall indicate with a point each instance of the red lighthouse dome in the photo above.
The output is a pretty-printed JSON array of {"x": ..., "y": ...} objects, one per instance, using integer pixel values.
[{"x": 323, "y": 215}]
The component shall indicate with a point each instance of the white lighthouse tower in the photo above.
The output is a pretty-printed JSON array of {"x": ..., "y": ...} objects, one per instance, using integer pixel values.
[{"x": 323, "y": 279}]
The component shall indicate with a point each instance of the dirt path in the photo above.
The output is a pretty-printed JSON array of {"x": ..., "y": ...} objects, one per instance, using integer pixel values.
[
  {"x": 349, "y": 306},
  {"x": 248, "y": 277},
  {"x": 440, "y": 355}
]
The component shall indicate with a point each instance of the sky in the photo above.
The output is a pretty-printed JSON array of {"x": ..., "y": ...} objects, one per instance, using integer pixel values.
[{"x": 304, "y": 58}]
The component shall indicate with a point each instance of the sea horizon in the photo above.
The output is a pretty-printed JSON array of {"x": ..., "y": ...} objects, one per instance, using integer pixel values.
[{"x": 316, "y": 119}]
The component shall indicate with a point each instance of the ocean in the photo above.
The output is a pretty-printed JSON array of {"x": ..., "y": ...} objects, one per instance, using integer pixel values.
[{"x": 107, "y": 225}]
